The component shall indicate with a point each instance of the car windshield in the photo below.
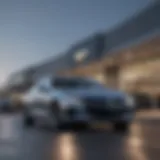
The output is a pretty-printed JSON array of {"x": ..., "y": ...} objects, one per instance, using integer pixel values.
[{"x": 73, "y": 82}]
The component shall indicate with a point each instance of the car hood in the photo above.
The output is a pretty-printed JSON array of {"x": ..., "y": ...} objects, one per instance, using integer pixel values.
[{"x": 94, "y": 92}]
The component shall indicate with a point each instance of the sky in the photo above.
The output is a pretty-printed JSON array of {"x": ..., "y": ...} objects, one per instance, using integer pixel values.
[{"x": 34, "y": 30}]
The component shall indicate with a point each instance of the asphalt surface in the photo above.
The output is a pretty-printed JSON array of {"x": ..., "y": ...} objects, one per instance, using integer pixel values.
[{"x": 142, "y": 142}]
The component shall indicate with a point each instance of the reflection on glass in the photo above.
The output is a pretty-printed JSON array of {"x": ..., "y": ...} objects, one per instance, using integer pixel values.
[
  {"x": 67, "y": 148},
  {"x": 134, "y": 144}
]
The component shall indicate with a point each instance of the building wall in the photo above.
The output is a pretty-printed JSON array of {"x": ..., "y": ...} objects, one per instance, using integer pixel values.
[
  {"x": 131, "y": 33},
  {"x": 142, "y": 76},
  {"x": 78, "y": 58}
]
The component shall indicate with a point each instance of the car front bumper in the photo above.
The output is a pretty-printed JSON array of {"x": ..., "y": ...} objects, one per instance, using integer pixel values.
[
  {"x": 110, "y": 116},
  {"x": 114, "y": 116},
  {"x": 75, "y": 116}
]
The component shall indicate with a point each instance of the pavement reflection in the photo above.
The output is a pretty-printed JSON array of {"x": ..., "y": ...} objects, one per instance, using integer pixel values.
[
  {"x": 134, "y": 144},
  {"x": 140, "y": 143},
  {"x": 66, "y": 147}
]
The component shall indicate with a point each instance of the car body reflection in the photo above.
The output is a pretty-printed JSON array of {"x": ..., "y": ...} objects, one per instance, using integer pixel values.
[{"x": 69, "y": 147}]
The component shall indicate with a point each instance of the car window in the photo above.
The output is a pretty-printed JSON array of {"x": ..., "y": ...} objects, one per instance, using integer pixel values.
[
  {"x": 72, "y": 82},
  {"x": 64, "y": 83}
]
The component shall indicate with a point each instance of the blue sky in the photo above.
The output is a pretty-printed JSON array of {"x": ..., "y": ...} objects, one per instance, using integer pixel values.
[{"x": 34, "y": 30}]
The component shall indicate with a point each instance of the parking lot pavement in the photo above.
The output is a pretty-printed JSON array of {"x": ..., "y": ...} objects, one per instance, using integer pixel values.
[{"x": 19, "y": 143}]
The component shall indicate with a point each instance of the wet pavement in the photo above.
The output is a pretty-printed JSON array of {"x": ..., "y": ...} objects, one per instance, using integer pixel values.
[{"x": 142, "y": 142}]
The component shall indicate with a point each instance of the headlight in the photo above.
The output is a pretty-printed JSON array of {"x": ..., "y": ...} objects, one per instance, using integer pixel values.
[{"x": 129, "y": 101}]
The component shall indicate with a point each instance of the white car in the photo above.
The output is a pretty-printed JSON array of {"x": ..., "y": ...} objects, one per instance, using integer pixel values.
[{"x": 62, "y": 101}]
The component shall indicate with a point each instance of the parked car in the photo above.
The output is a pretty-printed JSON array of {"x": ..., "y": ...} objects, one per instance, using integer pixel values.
[{"x": 74, "y": 100}]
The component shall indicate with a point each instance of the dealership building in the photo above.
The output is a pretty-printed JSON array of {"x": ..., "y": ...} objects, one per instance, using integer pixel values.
[{"x": 126, "y": 58}]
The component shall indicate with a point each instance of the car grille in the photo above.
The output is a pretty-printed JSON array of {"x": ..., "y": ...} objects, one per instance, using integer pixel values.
[
  {"x": 116, "y": 103},
  {"x": 100, "y": 106},
  {"x": 95, "y": 105}
]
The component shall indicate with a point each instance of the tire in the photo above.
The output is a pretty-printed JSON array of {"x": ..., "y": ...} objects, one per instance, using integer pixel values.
[
  {"x": 28, "y": 121},
  {"x": 121, "y": 126}
]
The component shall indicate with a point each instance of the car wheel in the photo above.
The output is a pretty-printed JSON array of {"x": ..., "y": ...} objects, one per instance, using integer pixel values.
[
  {"x": 121, "y": 126},
  {"x": 28, "y": 121}
]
